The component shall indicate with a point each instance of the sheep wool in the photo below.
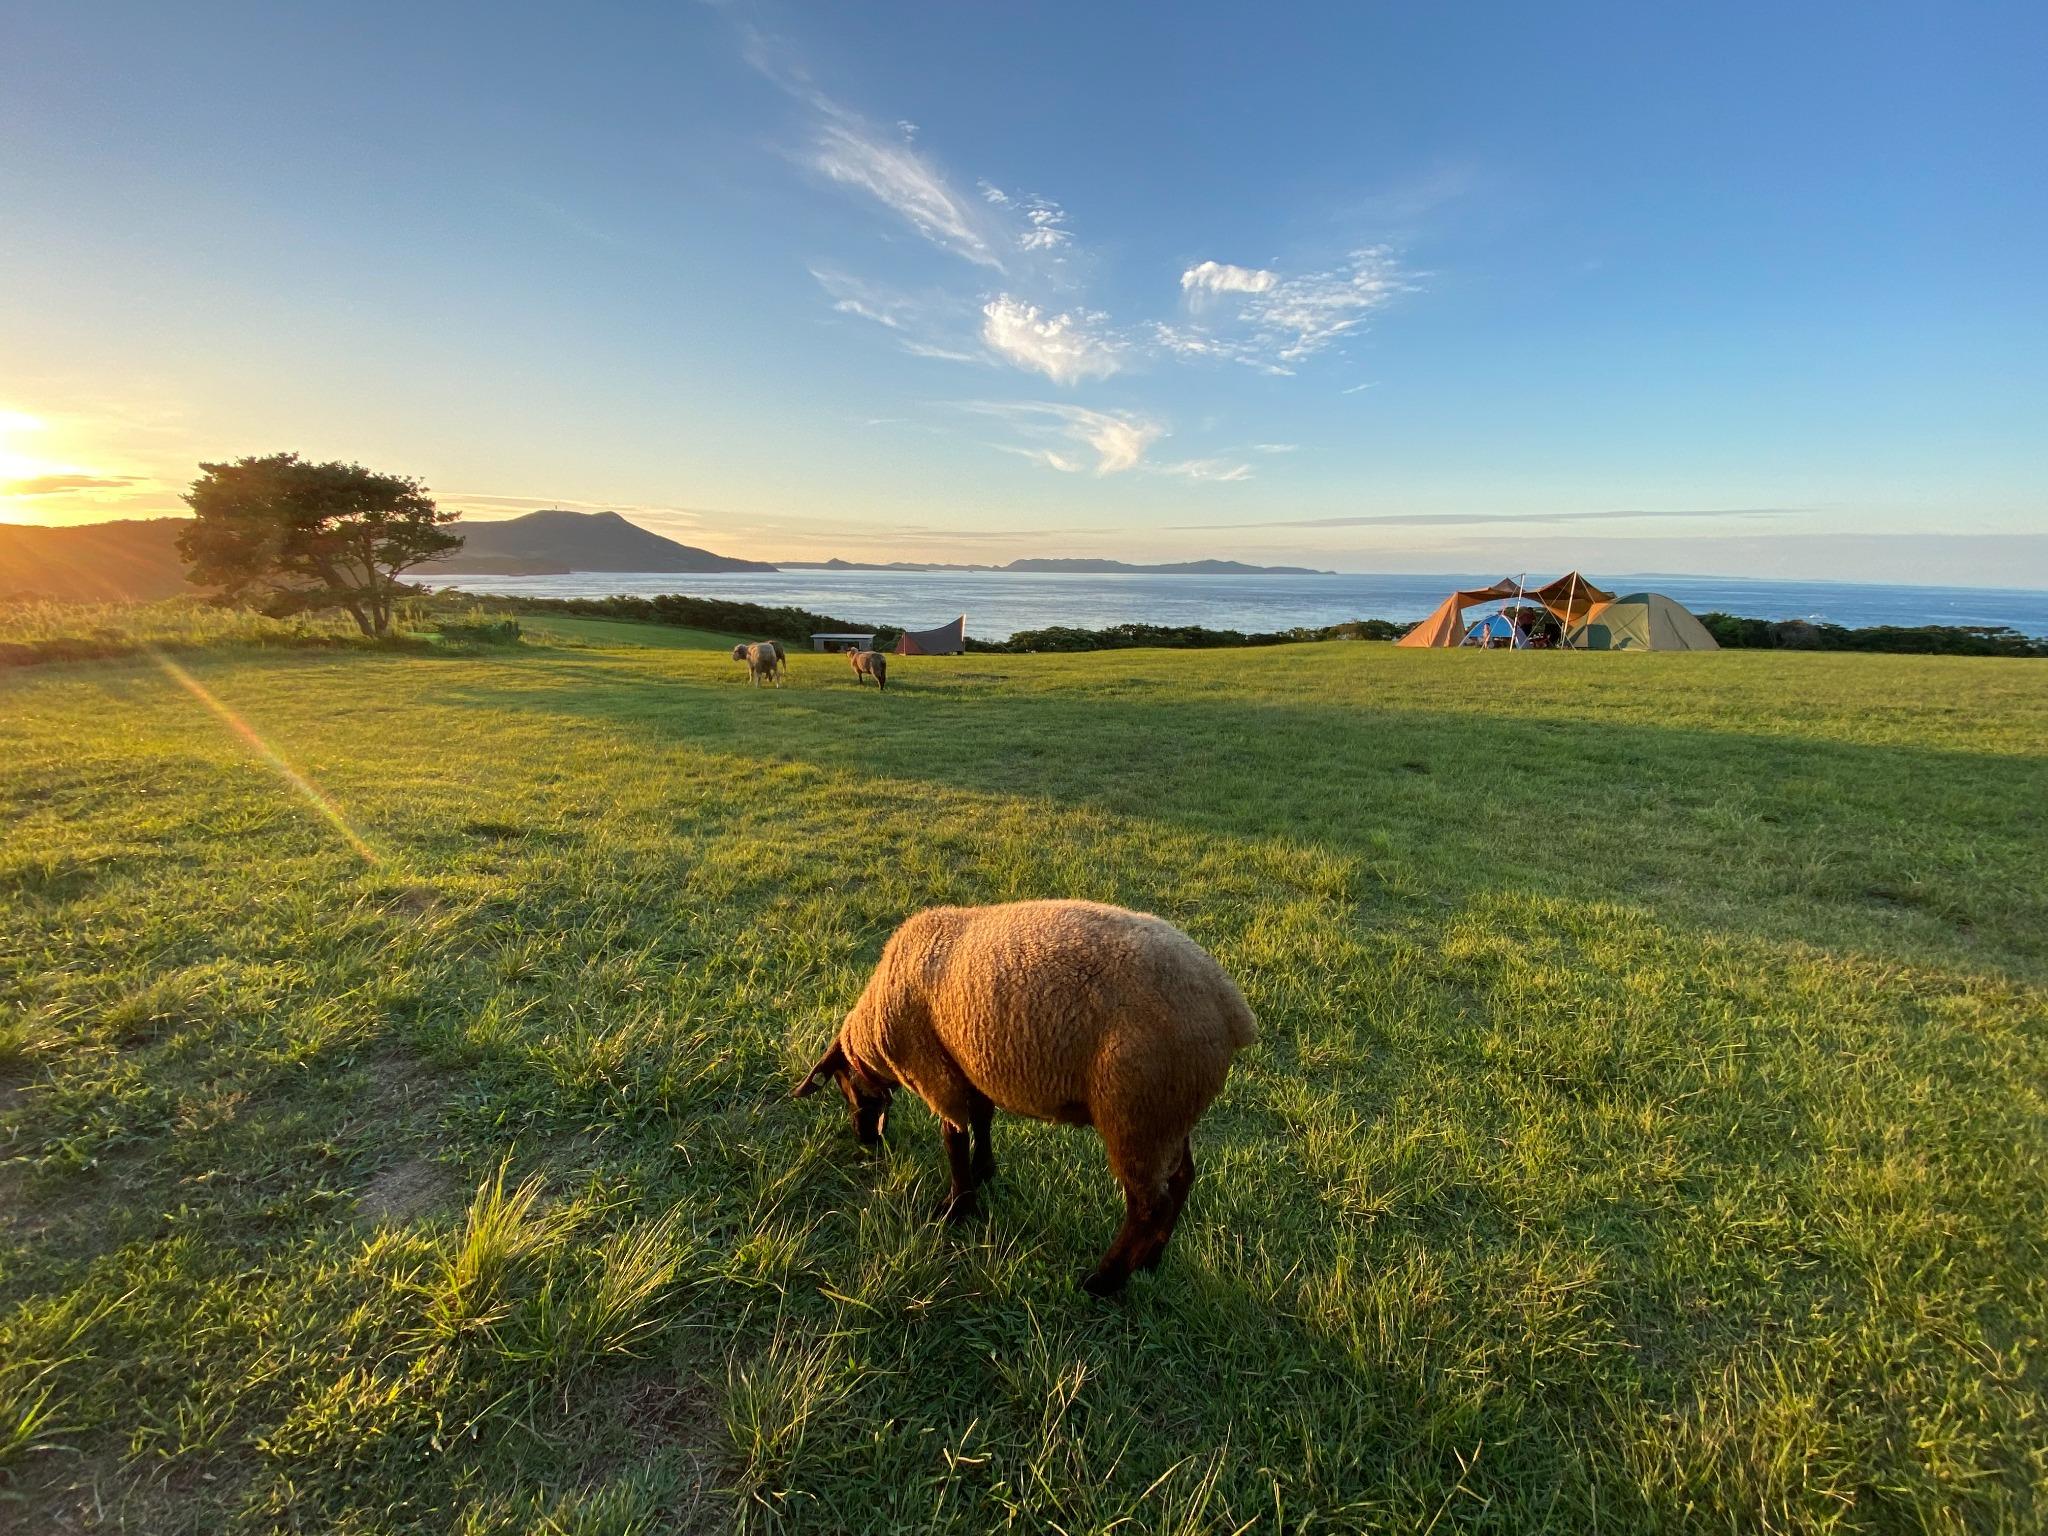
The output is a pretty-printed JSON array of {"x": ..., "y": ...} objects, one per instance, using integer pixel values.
[
  {"x": 764, "y": 659},
  {"x": 1068, "y": 1011}
]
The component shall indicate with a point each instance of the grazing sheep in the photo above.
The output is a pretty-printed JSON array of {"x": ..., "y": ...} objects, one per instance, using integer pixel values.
[
  {"x": 1067, "y": 1011},
  {"x": 763, "y": 660},
  {"x": 870, "y": 664}
]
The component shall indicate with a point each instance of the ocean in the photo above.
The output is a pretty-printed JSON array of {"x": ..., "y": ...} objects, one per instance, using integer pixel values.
[{"x": 999, "y": 603}]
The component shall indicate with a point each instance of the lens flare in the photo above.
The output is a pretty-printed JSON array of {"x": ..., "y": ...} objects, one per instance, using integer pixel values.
[{"x": 247, "y": 734}]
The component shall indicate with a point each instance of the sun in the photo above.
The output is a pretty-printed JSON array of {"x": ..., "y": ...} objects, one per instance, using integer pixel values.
[{"x": 17, "y": 466}]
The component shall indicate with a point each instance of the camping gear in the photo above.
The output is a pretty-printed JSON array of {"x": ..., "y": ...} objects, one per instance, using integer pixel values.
[
  {"x": 946, "y": 640},
  {"x": 1569, "y": 599},
  {"x": 1641, "y": 621},
  {"x": 1497, "y": 630}
]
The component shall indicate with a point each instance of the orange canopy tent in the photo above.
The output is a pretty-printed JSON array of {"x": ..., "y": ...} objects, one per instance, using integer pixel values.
[{"x": 1569, "y": 598}]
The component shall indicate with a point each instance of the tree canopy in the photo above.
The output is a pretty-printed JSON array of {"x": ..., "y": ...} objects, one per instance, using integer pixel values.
[{"x": 304, "y": 535}]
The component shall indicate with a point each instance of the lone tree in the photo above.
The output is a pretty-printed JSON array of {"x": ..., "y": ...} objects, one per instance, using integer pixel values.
[{"x": 311, "y": 535}]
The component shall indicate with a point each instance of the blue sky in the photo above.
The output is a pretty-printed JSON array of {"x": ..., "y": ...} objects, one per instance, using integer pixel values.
[{"x": 1743, "y": 290}]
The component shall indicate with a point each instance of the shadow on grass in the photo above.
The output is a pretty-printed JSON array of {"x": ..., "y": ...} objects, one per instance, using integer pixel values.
[{"x": 1813, "y": 840}]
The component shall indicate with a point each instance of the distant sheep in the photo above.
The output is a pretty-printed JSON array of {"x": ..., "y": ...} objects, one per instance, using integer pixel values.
[
  {"x": 763, "y": 659},
  {"x": 1067, "y": 1011},
  {"x": 870, "y": 664}
]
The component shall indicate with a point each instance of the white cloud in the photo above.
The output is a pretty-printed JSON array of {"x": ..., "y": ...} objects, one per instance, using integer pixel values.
[
  {"x": 1303, "y": 315},
  {"x": 1065, "y": 347},
  {"x": 1220, "y": 277},
  {"x": 992, "y": 193},
  {"x": 1205, "y": 469},
  {"x": 1282, "y": 320},
  {"x": 1048, "y": 231},
  {"x": 1052, "y": 431},
  {"x": 943, "y": 354},
  {"x": 904, "y": 181},
  {"x": 851, "y": 296},
  {"x": 1275, "y": 447},
  {"x": 1199, "y": 342}
]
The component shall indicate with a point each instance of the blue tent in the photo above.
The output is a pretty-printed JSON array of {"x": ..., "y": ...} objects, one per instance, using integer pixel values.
[{"x": 1496, "y": 629}]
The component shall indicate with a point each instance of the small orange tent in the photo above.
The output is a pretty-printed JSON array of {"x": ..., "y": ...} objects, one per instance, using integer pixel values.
[
  {"x": 1569, "y": 599},
  {"x": 1446, "y": 624}
]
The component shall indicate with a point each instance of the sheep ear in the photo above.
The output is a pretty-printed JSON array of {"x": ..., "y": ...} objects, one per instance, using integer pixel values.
[{"x": 829, "y": 1066}]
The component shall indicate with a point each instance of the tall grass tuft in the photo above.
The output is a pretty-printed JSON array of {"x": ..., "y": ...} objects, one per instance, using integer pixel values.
[
  {"x": 503, "y": 1231},
  {"x": 611, "y": 1308}
]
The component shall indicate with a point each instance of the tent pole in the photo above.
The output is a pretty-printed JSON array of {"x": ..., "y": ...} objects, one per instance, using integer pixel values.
[{"x": 1571, "y": 606}]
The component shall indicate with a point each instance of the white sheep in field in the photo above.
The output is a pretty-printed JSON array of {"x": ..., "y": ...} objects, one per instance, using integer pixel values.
[
  {"x": 764, "y": 659},
  {"x": 1068, "y": 1011}
]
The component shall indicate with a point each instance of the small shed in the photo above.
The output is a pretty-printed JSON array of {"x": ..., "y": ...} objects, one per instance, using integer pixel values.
[{"x": 842, "y": 640}]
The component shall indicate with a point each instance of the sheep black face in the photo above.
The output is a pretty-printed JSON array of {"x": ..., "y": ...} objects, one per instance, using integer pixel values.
[{"x": 866, "y": 1096}]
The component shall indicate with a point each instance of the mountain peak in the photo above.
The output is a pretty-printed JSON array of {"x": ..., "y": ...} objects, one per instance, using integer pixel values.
[{"x": 556, "y": 540}]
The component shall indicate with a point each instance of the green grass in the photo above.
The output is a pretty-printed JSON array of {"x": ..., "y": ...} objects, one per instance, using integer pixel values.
[
  {"x": 1649, "y": 1129},
  {"x": 35, "y": 629},
  {"x": 611, "y": 634}
]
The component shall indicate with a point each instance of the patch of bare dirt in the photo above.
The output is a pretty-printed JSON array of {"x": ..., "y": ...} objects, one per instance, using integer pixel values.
[
  {"x": 405, "y": 1192},
  {"x": 401, "y": 1088}
]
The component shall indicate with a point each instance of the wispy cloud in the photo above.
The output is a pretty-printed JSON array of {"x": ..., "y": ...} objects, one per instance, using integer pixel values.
[
  {"x": 1065, "y": 347},
  {"x": 1205, "y": 469},
  {"x": 1047, "y": 226},
  {"x": 61, "y": 485},
  {"x": 869, "y": 301},
  {"x": 925, "y": 324},
  {"x": 1276, "y": 447},
  {"x": 1306, "y": 314},
  {"x": 1063, "y": 436},
  {"x": 1278, "y": 321},
  {"x": 902, "y": 180},
  {"x": 1199, "y": 344}
]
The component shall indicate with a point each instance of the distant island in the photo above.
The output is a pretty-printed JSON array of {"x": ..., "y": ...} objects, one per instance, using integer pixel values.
[
  {"x": 1085, "y": 567},
  {"x": 555, "y": 541}
]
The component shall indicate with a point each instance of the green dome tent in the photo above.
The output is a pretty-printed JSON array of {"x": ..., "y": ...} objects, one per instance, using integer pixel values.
[{"x": 1641, "y": 621}]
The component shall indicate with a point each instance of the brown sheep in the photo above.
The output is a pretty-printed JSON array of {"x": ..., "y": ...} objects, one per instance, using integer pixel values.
[
  {"x": 870, "y": 664},
  {"x": 1068, "y": 1011},
  {"x": 763, "y": 660}
]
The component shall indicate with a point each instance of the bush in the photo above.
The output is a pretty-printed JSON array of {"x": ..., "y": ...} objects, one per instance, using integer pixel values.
[
  {"x": 479, "y": 629},
  {"x": 714, "y": 614},
  {"x": 1918, "y": 640}
]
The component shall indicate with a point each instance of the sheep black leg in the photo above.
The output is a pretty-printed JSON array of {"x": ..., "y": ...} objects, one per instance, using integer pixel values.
[
  {"x": 981, "y": 1116},
  {"x": 1153, "y": 1248},
  {"x": 1114, "y": 1267},
  {"x": 959, "y": 1202}
]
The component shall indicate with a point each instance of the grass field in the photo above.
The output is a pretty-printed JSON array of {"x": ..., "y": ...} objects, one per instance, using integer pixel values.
[
  {"x": 1649, "y": 1129},
  {"x": 617, "y": 633}
]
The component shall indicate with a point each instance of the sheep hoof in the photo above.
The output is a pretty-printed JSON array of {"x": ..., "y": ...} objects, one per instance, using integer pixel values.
[
  {"x": 1104, "y": 1283},
  {"x": 954, "y": 1209}
]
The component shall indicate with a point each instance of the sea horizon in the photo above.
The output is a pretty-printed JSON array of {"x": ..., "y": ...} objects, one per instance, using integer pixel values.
[{"x": 999, "y": 603}]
